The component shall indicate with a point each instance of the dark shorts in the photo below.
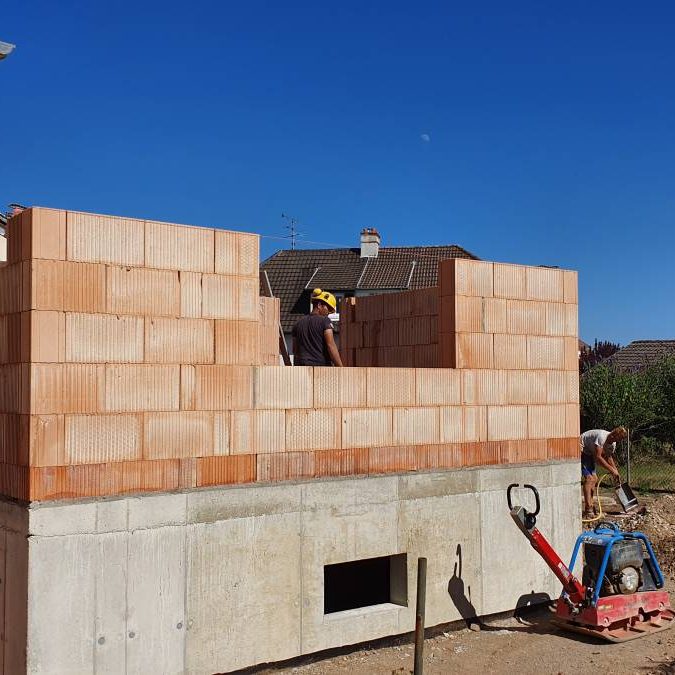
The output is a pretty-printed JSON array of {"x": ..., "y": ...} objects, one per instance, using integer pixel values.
[{"x": 587, "y": 465}]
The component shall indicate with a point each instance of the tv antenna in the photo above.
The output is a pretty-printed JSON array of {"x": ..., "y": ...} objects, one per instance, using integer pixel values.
[{"x": 292, "y": 228}]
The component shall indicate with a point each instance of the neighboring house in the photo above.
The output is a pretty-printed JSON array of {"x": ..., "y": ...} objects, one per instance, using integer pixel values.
[
  {"x": 642, "y": 353},
  {"x": 347, "y": 272},
  {"x": 3, "y": 237}
]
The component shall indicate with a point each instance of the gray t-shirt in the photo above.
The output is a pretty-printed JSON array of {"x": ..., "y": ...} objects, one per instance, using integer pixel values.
[{"x": 593, "y": 437}]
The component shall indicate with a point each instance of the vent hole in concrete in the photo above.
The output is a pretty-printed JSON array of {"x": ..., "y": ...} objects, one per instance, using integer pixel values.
[{"x": 363, "y": 583}]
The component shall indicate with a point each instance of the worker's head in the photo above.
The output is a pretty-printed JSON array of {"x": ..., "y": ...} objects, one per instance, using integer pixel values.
[
  {"x": 323, "y": 302},
  {"x": 618, "y": 434}
]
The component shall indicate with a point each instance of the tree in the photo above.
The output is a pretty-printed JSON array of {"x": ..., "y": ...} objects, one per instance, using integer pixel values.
[{"x": 596, "y": 354}]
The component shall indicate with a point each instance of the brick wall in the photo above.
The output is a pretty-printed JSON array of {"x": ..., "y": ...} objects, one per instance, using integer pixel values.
[{"x": 135, "y": 357}]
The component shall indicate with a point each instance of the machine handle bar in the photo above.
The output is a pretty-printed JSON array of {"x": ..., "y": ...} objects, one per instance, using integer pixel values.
[{"x": 531, "y": 487}]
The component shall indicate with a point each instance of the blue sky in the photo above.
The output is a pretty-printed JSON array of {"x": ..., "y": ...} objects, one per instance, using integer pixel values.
[{"x": 526, "y": 132}]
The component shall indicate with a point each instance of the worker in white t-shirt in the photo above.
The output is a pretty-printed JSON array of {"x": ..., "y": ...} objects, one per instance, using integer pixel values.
[{"x": 598, "y": 447}]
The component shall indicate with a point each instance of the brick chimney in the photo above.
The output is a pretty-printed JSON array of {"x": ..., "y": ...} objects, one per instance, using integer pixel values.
[{"x": 370, "y": 242}]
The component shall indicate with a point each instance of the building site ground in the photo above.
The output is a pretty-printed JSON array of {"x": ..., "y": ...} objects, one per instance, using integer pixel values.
[{"x": 529, "y": 645}]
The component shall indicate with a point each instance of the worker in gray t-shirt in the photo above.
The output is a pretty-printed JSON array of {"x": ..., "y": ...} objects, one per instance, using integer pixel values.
[{"x": 598, "y": 447}]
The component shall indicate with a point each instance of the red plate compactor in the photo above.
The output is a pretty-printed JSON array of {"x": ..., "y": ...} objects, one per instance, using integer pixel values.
[{"x": 621, "y": 594}]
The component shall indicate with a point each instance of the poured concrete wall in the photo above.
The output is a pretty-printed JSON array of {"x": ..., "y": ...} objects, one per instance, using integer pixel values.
[{"x": 217, "y": 579}]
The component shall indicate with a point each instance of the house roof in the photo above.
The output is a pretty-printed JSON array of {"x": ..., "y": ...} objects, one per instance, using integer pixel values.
[
  {"x": 294, "y": 273},
  {"x": 641, "y": 353}
]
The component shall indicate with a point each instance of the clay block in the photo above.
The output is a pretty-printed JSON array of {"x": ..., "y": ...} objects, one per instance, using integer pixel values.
[
  {"x": 572, "y": 386},
  {"x": 226, "y": 470},
  {"x": 100, "y": 338},
  {"x": 190, "y": 294},
  {"x": 237, "y": 253},
  {"x": 369, "y": 308},
  {"x": 248, "y": 299},
  {"x": 382, "y": 333},
  {"x": 571, "y": 320},
  {"x": 427, "y": 356},
  {"x": 526, "y": 386},
  {"x": 179, "y": 340},
  {"x": 390, "y": 386},
  {"x": 545, "y": 352},
  {"x": 451, "y": 424},
  {"x": 142, "y": 388},
  {"x": 46, "y": 285},
  {"x": 437, "y": 386},
  {"x": 510, "y": 352},
  {"x": 484, "y": 387},
  {"x": 187, "y": 387},
  {"x": 475, "y": 350},
  {"x": 92, "y": 439},
  {"x": 179, "y": 247},
  {"x": 308, "y": 429},
  {"x": 13, "y": 279},
  {"x": 572, "y": 420},
  {"x": 526, "y": 318},
  {"x": 556, "y": 389},
  {"x": 571, "y": 353},
  {"x": 509, "y": 281},
  {"x": 392, "y": 459},
  {"x": 366, "y": 427},
  {"x": 546, "y": 421},
  {"x": 339, "y": 388},
  {"x": 570, "y": 284},
  {"x": 544, "y": 283},
  {"x": 268, "y": 311},
  {"x": 513, "y": 452},
  {"x": 221, "y": 432},
  {"x": 177, "y": 434},
  {"x": 447, "y": 347},
  {"x": 508, "y": 422},
  {"x": 278, "y": 388},
  {"x": 397, "y": 305},
  {"x": 285, "y": 466},
  {"x": 37, "y": 233},
  {"x": 466, "y": 277},
  {"x": 494, "y": 315},
  {"x": 43, "y": 337},
  {"x": 237, "y": 342},
  {"x": 354, "y": 336},
  {"x": 349, "y": 462},
  {"x": 67, "y": 286},
  {"x": 65, "y": 388},
  {"x": 224, "y": 387},
  {"x": 416, "y": 426},
  {"x": 142, "y": 291},
  {"x": 104, "y": 239},
  {"x": 257, "y": 431},
  {"x": 443, "y": 456},
  {"x": 468, "y": 315},
  {"x": 425, "y": 301},
  {"x": 47, "y": 440},
  {"x": 220, "y": 297}
]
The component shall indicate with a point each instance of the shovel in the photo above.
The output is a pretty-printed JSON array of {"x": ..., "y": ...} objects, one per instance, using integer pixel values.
[{"x": 625, "y": 496}]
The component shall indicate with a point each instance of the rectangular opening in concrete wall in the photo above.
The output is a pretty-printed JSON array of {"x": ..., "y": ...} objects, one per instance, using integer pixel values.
[{"x": 364, "y": 583}]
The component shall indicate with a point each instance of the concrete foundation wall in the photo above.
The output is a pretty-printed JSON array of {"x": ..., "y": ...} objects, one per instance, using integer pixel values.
[{"x": 213, "y": 580}]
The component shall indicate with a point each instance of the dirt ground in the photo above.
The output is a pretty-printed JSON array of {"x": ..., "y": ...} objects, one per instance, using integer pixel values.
[{"x": 529, "y": 645}]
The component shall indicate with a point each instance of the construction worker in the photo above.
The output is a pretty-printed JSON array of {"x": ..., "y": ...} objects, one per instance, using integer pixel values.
[
  {"x": 313, "y": 343},
  {"x": 598, "y": 447}
]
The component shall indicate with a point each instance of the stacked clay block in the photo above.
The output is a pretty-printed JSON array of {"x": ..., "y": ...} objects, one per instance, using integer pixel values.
[{"x": 137, "y": 356}]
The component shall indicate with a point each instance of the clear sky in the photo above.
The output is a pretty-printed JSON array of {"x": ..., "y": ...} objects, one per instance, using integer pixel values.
[{"x": 527, "y": 132}]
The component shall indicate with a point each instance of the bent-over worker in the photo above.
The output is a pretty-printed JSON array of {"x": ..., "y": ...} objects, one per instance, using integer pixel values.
[
  {"x": 598, "y": 447},
  {"x": 313, "y": 342}
]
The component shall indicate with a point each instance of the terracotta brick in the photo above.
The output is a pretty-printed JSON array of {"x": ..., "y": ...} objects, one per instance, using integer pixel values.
[
  {"x": 179, "y": 247},
  {"x": 509, "y": 281},
  {"x": 382, "y": 333},
  {"x": 93, "y": 439},
  {"x": 15, "y": 439},
  {"x": 466, "y": 277},
  {"x": 556, "y": 318},
  {"x": 42, "y": 235},
  {"x": 427, "y": 356},
  {"x": 452, "y": 424},
  {"x": 508, "y": 422},
  {"x": 484, "y": 387},
  {"x": 308, "y": 429},
  {"x": 257, "y": 431},
  {"x": 187, "y": 387},
  {"x": 67, "y": 286},
  {"x": 572, "y": 420},
  {"x": 425, "y": 301},
  {"x": 546, "y": 421},
  {"x": 100, "y": 338},
  {"x": 437, "y": 386},
  {"x": 494, "y": 315},
  {"x": 179, "y": 340},
  {"x": 526, "y": 386},
  {"x": 572, "y": 386},
  {"x": 278, "y": 387},
  {"x": 414, "y": 330},
  {"x": 570, "y": 284},
  {"x": 510, "y": 352},
  {"x": 442, "y": 456},
  {"x": 521, "y": 451},
  {"x": 352, "y": 336},
  {"x": 468, "y": 315},
  {"x": 571, "y": 353},
  {"x": 364, "y": 357},
  {"x": 221, "y": 432},
  {"x": 145, "y": 475},
  {"x": 187, "y": 473},
  {"x": 237, "y": 253},
  {"x": 66, "y": 388},
  {"x": 177, "y": 434},
  {"x": 285, "y": 466},
  {"x": 416, "y": 426},
  {"x": 390, "y": 386},
  {"x": 556, "y": 448},
  {"x": 349, "y": 462},
  {"x": 397, "y": 305},
  {"x": 366, "y": 427},
  {"x": 220, "y": 297},
  {"x": 268, "y": 311},
  {"x": 46, "y": 337},
  {"x": 46, "y": 482},
  {"x": 447, "y": 347},
  {"x": 392, "y": 459},
  {"x": 571, "y": 320},
  {"x": 475, "y": 350},
  {"x": 369, "y": 308},
  {"x": 556, "y": 386},
  {"x": 142, "y": 388},
  {"x": 545, "y": 352},
  {"x": 46, "y": 440},
  {"x": 104, "y": 239},
  {"x": 339, "y": 387},
  {"x": 14, "y": 297},
  {"x": 238, "y": 342},
  {"x": 544, "y": 283},
  {"x": 224, "y": 387},
  {"x": 190, "y": 294},
  {"x": 133, "y": 290},
  {"x": 526, "y": 318},
  {"x": 248, "y": 299}
]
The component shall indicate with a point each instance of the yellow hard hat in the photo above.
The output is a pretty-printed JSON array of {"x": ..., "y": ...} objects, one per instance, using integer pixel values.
[{"x": 324, "y": 296}]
